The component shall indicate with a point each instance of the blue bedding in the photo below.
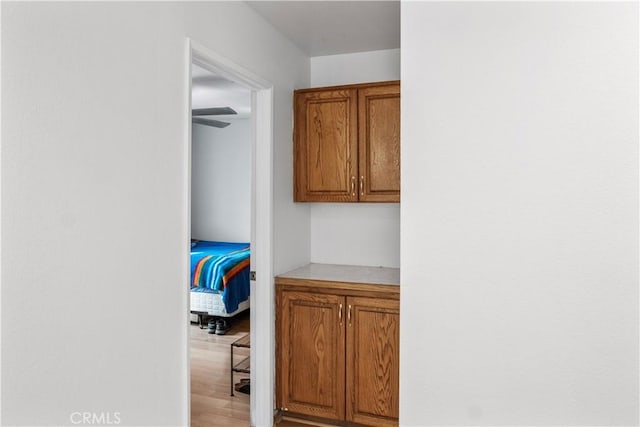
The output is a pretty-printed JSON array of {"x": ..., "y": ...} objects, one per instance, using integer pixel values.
[{"x": 221, "y": 267}]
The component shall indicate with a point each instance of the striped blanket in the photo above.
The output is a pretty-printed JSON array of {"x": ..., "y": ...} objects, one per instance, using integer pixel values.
[{"x": 221, "y": 267}]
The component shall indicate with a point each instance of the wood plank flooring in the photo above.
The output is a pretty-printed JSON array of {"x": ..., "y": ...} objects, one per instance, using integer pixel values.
[{"x": 211, "y": 403}]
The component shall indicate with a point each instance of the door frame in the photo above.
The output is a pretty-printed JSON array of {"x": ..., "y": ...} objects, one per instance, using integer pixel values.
[{"x": 262, "y": 315}]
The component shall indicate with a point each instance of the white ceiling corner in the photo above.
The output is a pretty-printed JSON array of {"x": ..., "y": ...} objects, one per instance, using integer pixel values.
[
  {"x": 318, "y": 28},
  {"x": 322, "y": 28}
]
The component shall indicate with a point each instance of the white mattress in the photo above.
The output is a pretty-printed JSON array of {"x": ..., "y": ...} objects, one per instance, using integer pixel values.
[{"x": 211, "y": 303}]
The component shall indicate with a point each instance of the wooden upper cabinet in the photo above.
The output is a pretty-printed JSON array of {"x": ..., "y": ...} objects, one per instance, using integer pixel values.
[
  {"x": 326, "y": 147},
  {"x": 347, "y": 143},
  {"x": 379, "y": 143}
]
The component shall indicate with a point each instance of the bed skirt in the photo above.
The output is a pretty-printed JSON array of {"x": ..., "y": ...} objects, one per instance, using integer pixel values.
[{"x": 211, "y": 303}]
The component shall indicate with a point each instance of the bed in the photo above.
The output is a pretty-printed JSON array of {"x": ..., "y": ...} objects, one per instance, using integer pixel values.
[{"x": 219, "y": 278}]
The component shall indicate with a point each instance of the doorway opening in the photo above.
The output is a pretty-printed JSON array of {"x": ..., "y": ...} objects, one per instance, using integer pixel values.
[
  {"x": 253, "y": 325},
  {"x": 220, "y": 249}
]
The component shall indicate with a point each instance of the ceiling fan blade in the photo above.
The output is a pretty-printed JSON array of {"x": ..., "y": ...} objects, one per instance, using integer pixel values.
[
  {"x": 210, "y": 122},
  {"x": 215, "y": 111}
]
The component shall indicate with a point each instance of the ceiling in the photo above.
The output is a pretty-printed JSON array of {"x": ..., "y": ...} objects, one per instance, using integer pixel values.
[
  {"x": 318, "y": 28},
  {"x": 333, "y": 27},
  {"x": 209, "y": 90}
]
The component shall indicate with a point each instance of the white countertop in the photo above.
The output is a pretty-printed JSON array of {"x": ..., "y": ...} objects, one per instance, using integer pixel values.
[{"x": 346, "y": 273}]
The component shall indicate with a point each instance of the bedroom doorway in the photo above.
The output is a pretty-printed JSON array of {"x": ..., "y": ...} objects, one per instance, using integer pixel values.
[
  {"x": 230, "y": 146},
  {"x": 220, "y": 249}
]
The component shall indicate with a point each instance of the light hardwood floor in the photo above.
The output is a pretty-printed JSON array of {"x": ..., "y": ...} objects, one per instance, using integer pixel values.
[{"x": 211, "y": 403}]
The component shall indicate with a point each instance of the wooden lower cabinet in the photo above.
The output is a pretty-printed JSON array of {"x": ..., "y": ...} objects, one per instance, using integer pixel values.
[
  {"x": 338, "y": 357},
  {"x": 373, "y": 361},
  {"x": 313, "y": 346}
]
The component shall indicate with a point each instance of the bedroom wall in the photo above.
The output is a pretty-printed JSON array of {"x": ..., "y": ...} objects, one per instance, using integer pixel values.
[
  {"x": 519, "y": 214},
  {"x": 94, "y": 102},
  {"x": 221, "y": 182},
  {"x": 355, "y": 233}
]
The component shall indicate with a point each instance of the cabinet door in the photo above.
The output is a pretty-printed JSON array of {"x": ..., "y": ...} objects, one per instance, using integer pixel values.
[
  {"x": 379, "y": 143},
  {"x": 326, "y": 146},
  {"x": 312, "y": 346},
  {"x": 373, "y": 362}
]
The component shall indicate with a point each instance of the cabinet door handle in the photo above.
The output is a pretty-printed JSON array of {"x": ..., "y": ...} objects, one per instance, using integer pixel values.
[
  {"x": 340, "y": 314},
  {"x": 349, "y": 314},
  {"x": 362, "y": 185},
  {"x": 353, "y": 185}
]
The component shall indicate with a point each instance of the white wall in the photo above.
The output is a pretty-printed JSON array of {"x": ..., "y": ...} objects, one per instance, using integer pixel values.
[
  {"x": 261, "y": 49},
  {"x": 94, "y": 102},
  {"x": 519, "y": 214},
  {"x": 362, "y": 67},
  {"x": 355, "y": 233},
  {"x": 221, "y": 182}
]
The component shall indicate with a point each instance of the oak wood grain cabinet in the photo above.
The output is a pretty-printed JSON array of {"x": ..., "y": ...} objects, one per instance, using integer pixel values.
[
  {"x": 312, "y": 337},
  {"x": 347, "y": 143},
  {"x": 373, "y": 362},
  {"x": 338, "y": 351}
]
